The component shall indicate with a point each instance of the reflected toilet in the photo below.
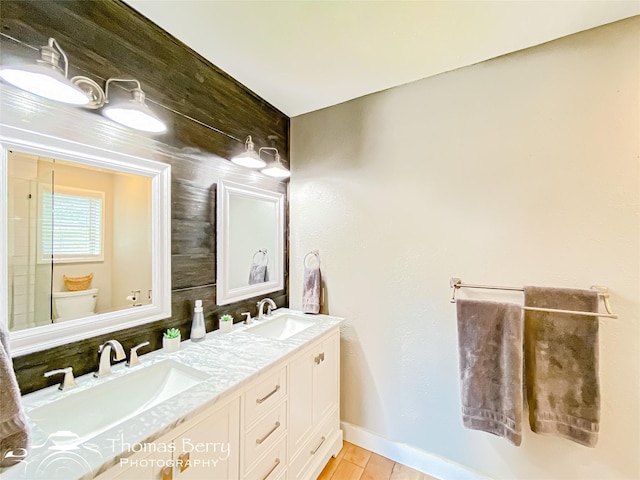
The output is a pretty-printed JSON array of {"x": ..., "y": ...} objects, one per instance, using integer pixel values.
[{"x": 70, "y": 305}]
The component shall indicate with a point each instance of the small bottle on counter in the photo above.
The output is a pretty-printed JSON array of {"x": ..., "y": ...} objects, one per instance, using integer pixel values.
[{"x": 198, "y": 331}]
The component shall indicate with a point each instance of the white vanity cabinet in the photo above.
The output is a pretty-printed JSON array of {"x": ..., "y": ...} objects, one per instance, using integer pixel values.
[
  {"x": 314, "y": 416},
  {"x": 284, "y": 424},
  {"x": 264, "y": 422},
  {"x": 206, "y": 447}
]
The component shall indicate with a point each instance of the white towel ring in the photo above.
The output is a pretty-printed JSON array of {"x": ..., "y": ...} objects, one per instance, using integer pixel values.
[
  {"x": 265, "y": 258},
  {"x": 312, "y": 259}
]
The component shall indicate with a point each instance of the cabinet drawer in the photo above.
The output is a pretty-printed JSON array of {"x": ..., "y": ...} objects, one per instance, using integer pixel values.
[
  {"x": 264, "y": 396},
  {"x": 314, "y": 446},
  {"x": 272, "y": 465},
  {"x": 264, "y": 434}
]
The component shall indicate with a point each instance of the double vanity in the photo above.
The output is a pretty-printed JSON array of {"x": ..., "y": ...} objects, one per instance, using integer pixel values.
[{"x": 261, "y": 402}]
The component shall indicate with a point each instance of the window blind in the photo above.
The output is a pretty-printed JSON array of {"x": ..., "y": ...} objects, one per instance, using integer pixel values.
[{"x": 71, "y": 226}]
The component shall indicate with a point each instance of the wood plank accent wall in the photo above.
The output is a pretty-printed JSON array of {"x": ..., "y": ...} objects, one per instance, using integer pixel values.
[{"x": 107, "y": 38}]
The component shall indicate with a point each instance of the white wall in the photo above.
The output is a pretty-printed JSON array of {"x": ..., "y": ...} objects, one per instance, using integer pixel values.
[
  {"x": 520, "y": 170},
  {"x": 131, "y": 269}
]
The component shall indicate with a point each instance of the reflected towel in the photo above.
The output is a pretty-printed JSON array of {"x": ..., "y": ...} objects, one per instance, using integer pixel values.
[
  {"x": 311, "y": 289},
  {"x": 490, "y": 354},
  {"x": 14, "y": 434},
  {"x": 561, "y": 359},
  {"x": 258, "y": 274}
]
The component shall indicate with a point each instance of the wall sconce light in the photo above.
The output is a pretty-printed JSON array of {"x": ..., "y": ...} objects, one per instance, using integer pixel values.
[
  {"x": 249, "y": 158},
  {"x": 46, "y": 78},
  {"x": 132, "y": 113},
  {"x": 252, "y": 159},
  {"x": 275, "y": 168}
]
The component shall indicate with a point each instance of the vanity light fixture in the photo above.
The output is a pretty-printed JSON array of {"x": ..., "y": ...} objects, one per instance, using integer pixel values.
[
  {"x": 275, "y": 168},
  {"x": 249, "y": 158},
  {"x": 46, "y": 78},
  {"x": 133, "y": 113}
]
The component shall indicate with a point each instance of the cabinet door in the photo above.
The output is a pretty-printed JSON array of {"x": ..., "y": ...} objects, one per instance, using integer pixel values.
[
  {"x": 210, "y": 450},
  {"x": 313, "y": 389},
  {"x": 325, "y": 378},
  {"x": 301, "y": 398}
]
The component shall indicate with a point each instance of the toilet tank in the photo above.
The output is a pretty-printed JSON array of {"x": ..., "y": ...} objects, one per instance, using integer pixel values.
[{"x": 71, "y": 305}]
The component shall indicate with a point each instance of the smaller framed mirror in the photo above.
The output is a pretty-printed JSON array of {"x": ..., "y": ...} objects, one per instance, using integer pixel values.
[{"x": 250, "y": 242}]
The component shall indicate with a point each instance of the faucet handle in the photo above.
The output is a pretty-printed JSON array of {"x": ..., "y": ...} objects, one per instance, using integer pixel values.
[
  {"x": 133, "y": 356},
  {"x": 68, "y": 381},
  {"x": 247, "y": 320}
]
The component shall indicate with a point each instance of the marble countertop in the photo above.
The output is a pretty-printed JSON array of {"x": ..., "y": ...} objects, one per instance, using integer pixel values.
[{"x": 229, "y": 360}]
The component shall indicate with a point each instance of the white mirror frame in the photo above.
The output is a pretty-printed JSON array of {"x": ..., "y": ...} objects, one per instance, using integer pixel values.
[
  {"x": 225, "y": 294},
  {"x": 47, "y": 336}
]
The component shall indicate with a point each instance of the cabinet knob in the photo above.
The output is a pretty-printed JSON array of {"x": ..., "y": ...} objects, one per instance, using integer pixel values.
[
  {"x": 166, "y": 473},
  {"x": 184, "y": 461},
  {"x": 319, "y": 359}
]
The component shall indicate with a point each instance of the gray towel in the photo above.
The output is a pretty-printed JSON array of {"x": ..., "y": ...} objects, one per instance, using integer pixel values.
[
  {"x": 258, "y": 274},
  {"x": 490, "y": 350},
  {"x": 14, "y": 434},
  {"x": 311, "y": 289},
  {"x": 561, "y": 361}
]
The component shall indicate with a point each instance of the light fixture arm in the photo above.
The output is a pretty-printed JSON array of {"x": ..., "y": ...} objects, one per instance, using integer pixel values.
[
  {"x": 51, "y": 54},
  {"x": 137, "y": 92},
  {"x": 248, "y": 144},
  {"x": 277, "y": 154}
]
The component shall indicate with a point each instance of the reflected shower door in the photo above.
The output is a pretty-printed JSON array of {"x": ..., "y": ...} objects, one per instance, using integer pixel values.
[{"x": 26, "y": 275}]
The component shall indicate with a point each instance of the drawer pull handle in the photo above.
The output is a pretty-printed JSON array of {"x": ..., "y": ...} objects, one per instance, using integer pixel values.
[
  {"x": 313, "y": 452},
  {"x": 184, "y": 461},
  {"x": 260, "y": 440},
  {"x": 273, "y": 392},
  {"x": 319, "y": 359},
  {"x": 166, "y": 473},
  {"x": 272, "y": 469}
]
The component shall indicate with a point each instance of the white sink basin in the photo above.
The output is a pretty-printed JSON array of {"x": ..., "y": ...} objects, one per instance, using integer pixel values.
[
  {"x": 280, "y": 328},
  {"x": 85, "y": 414}
]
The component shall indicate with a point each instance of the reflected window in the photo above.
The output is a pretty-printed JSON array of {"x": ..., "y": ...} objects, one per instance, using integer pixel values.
[{"x": 72, "y": 225}]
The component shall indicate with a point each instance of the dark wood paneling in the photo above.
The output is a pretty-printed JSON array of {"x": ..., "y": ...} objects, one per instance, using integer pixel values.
[
  {"x": 104, "y": 39},
  {"x": 192, "y": 270}
]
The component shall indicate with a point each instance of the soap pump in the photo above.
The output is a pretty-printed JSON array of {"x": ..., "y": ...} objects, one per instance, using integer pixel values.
[{"x": 198, "y": 332}]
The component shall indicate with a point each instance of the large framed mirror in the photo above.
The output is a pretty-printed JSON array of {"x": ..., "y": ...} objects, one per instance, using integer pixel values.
[
  {"x": 250, "y": 242},
  {"x": 85, "y": 240}
]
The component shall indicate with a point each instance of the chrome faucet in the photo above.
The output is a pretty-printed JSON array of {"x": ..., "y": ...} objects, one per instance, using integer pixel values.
[
  {"x": 104, "y": 353},
  {"x": 271, "y": 305}
]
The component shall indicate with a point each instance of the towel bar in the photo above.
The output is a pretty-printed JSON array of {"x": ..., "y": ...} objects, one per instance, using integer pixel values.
[{"x": 603, "y": 293}]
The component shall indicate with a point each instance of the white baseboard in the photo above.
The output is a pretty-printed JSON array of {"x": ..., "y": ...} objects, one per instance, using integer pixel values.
[{"x": 407, "y": 455}]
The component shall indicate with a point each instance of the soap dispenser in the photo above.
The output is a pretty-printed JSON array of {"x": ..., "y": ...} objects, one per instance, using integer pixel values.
[{"x": 198, "y": 332}]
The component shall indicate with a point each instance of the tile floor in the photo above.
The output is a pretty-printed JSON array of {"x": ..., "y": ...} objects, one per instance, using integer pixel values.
[{"x": 355, "y": 463}]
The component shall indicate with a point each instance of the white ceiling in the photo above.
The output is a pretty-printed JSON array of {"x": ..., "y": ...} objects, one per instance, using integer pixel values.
[{"x": 302, "y": 55}]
